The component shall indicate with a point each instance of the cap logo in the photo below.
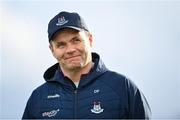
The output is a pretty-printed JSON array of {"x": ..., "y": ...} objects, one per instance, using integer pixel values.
[{"x": 61, "y": 21}]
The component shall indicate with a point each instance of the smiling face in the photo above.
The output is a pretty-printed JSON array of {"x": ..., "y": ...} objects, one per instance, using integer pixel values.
[{"x": 72, "y": 49}]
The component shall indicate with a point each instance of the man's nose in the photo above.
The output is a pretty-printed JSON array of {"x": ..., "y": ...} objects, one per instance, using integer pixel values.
[{"x": 70, "y": 49}]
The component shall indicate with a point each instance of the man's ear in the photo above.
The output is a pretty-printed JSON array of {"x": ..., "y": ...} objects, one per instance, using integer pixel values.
[
  {"x": 51, "y": 47},
  {"x": 90, "y": 39}
]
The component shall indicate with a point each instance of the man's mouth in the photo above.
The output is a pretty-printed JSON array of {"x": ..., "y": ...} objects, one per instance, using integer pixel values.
[{"x": 72, "y": 57}]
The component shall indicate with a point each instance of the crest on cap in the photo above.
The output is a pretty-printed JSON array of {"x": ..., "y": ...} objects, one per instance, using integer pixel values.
[{"x": 61, "y": 21}]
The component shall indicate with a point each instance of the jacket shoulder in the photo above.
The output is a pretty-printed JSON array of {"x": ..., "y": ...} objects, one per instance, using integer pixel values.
[
  {"x": 47, "y": 86},
  {"x": 119, "y": 82},
  {"x": 116, "y": 81},
  {"x": 114, "y": 78}
]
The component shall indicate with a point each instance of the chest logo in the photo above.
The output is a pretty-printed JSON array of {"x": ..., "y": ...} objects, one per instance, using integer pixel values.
[
  {"x": 97, "y": 108},
  {"x": 53, "y": 96},
  {"x": 50, "y": 113},
  {"x": 96, "y": 91}
]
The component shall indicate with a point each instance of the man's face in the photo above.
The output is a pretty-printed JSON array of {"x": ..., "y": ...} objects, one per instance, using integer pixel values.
[{"x": 72, "y": 49}]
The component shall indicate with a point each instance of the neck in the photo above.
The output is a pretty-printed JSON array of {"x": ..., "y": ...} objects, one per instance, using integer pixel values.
[{"x": 76, "y": 75}]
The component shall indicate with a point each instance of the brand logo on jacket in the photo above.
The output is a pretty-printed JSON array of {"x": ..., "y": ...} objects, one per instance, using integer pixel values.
[
  {"x": 50, "y": 113},
  {"x": 53, "y": 96},
  {"x": 96, "y": 91},
  {"x": 97, "y": 108},
  {"x": 61, "y": 21}
]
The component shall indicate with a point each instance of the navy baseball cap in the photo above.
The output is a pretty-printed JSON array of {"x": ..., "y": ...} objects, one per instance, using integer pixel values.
[{"x": 66, "y": 20}]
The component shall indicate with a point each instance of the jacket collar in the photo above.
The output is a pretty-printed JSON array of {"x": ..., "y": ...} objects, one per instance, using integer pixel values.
[{"x": 54, "y": 73}]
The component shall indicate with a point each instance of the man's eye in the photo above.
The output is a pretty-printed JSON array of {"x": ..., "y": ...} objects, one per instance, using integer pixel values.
[
  {"x": 61, "y": 45},
  {"x": 76, "y": 41}
]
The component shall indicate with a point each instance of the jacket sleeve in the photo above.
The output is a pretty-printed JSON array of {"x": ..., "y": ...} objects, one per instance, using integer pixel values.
[
  {"x": 27, "y": 111},
  {"x": 138, "y": 105}
]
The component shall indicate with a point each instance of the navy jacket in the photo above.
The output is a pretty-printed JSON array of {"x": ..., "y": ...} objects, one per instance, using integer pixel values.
[{"x": 101, "y": 94}]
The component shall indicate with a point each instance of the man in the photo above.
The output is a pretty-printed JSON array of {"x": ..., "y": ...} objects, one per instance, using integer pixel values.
[{"x": 79, "y": 85}]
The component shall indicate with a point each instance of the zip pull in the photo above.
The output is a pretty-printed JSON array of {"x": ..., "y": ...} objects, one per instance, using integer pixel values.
[{"x": 75, "y": 91}]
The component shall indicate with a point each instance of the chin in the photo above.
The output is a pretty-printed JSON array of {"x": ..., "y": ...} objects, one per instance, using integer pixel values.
[{"x": 73, "y": 67}]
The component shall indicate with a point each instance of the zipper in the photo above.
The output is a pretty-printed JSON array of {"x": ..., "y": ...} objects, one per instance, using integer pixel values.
[{"x": 75, "y": 103}]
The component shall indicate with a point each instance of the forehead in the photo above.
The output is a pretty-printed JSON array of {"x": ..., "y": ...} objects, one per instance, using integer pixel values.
[{"x": 65, "y": 32}]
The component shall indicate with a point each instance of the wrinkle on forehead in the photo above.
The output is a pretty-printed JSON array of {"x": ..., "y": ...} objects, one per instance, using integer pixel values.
[{"x": 64, "y": 31}]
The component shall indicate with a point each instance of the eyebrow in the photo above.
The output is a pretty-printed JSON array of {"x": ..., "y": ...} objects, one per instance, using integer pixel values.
[
  {"x": 73, "y": 38},
  {"x": 59, "y": 42}
]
